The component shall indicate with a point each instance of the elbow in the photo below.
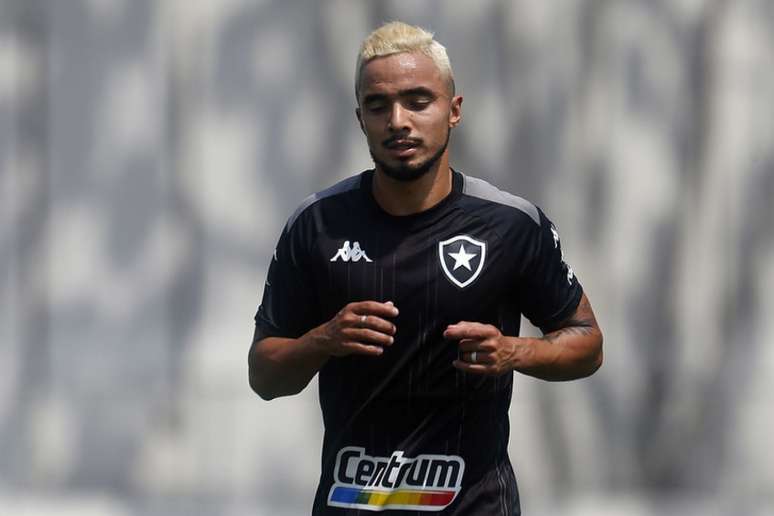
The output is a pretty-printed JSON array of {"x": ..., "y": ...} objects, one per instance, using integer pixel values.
[
  {"x": 257, "y": 376},
  {"x": 261, "y": 389},
  {"x": 597, "y": 357},
  {"x": 258, "y": 381},
  {"x": 268, "y": 390},
  {"x": 597, "y": 363},
  {"x": 589, "y": 363}
]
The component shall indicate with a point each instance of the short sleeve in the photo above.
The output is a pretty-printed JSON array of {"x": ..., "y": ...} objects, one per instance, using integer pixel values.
[
  {"x": 288, "y": 305},
  {"x": 550, "y": 290}
]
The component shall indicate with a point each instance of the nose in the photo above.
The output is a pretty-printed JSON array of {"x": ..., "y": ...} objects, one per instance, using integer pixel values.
[{"x": 398, "y": 118}]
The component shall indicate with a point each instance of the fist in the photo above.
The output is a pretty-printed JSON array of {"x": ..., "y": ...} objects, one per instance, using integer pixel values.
[{"x": 482, "y": 348}]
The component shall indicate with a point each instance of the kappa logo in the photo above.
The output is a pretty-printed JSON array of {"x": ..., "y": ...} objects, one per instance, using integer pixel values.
[
  {"x": 462, "y": 259},
  {"x": 353, "y": 254},
  {"x": 422, "y": 483}
]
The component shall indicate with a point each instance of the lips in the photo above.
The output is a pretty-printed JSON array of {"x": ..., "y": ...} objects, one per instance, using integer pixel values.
[
  {"x": 402, "y": 144},
  {"x": 402, "y": 148}
]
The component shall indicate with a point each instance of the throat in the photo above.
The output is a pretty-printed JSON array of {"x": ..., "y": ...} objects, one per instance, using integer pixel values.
[{"x": 400, "y": 198}]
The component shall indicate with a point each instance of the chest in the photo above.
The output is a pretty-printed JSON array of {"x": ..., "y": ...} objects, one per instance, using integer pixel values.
[{"x": 457, "y": 268}]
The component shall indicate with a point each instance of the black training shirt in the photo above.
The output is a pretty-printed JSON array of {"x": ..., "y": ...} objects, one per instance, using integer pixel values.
[{"x": 406, "y": 431}]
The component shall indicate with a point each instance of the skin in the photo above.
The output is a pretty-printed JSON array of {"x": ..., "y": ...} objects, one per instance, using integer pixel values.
[
  {"x": 405, "y": 98},
  {"x": 406, "y": 108},
  {"x": 573, "y": 350}
]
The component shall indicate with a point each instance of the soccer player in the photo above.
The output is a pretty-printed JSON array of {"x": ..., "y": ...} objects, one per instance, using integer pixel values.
[{"x": 403, "y": 287}]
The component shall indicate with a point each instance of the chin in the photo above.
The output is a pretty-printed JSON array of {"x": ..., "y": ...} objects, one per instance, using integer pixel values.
[{"x": 405, "y": 172}]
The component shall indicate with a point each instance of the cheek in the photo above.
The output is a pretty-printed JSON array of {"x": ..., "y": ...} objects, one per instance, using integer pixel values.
[
  {"x": 436, "y": 121},
  {"x": 438, "y": 128},
  {"x": 371, "y": 131},
  {"x": 374, "y": 136}
]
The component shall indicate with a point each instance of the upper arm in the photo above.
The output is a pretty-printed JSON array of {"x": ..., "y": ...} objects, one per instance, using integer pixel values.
[
  {"x": 582, "y": 317},
  {"x": 549, "y": 290},
  {"x": 288, "y": 307}
]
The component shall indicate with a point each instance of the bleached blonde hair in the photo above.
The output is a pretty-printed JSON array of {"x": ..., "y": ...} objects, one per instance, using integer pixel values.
[{"x": 397, "y": 37}]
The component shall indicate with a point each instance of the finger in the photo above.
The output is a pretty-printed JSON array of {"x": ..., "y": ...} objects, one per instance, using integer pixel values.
[
  {"x": 368, "y": 336},
  {"x": 376, "y": 323},
  {"x": 462, "y": 330},
  {"x": 487, "y": 345},
  {"x": 387, "y": 309},
  {"x": 469, "y": 330},
  {"x": 479, "y": 358},
  {"x": 469, "y": 345},
  {"x": 483, "y": 369},
  {"x": 356, "y": 348}
]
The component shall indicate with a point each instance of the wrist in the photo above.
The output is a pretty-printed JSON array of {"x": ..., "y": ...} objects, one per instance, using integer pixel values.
[
  {"x": 522, "y": 352},
  {"x": 318, "y": 340}
]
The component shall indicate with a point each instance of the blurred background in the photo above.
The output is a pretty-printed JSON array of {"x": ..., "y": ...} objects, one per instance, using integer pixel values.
[{"x": 151, "y": 151}]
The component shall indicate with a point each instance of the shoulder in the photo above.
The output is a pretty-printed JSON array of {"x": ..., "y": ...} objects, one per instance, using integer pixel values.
[
  {"x": 341, "y": 188},
  {"x": 490, "y": 199}
]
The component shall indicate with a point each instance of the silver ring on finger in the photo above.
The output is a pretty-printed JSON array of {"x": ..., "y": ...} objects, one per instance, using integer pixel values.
[
  {"x": 473, "y": 357},
  {"x": 363, "y": 320}
]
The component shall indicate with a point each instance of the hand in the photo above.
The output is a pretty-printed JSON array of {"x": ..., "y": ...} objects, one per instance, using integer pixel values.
[
  {"x": 483, "y": 349},
  {"x": 359, "y": 328}
]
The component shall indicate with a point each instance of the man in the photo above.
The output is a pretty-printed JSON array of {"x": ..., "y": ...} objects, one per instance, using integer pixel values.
[{"x": 403, "y": 288}]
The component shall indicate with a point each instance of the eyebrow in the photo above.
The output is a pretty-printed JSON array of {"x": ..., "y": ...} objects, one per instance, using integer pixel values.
[{"x": 411, "y": 92}]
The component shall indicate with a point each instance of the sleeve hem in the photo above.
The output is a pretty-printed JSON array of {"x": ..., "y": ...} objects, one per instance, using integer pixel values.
[
  {"x": 265, "y": 328},
  {"x": 563, "y": 313}
]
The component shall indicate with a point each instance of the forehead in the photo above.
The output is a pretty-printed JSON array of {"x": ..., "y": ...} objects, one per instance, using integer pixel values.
[{"x": 400, "y": 72}]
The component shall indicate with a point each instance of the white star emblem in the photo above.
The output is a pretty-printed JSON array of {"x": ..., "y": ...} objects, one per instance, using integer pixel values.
[{"x": 462, "y": 258}]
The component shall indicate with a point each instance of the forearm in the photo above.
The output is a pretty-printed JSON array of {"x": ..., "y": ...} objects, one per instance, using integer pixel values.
[
  {"x": 282, "y": 367},
  {"x": 566, "y": 354},
  {"x": 570, "y": 351}
]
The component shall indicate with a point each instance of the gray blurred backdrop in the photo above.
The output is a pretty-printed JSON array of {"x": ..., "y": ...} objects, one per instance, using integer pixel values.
[{"x": 150, "y": 152}]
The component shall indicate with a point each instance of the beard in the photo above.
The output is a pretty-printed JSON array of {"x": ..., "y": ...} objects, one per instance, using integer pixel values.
[{"x": 405, "y": 172}]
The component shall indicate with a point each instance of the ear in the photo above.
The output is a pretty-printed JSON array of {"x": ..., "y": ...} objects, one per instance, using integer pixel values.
[
  {"x": 455, "y": 111},
  {"x": 360, "y": 119}
]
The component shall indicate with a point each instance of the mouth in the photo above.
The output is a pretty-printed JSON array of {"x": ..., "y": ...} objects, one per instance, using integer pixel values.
[{"x": 402, "y": 147}]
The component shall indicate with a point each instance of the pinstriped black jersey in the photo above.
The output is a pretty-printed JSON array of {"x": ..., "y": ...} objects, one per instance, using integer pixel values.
[{"x": 406, "y": 432}]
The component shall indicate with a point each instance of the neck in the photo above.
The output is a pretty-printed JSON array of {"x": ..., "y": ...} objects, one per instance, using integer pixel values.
[{"x": 409, "y": 197}]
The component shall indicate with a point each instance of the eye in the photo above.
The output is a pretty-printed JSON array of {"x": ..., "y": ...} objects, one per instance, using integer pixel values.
[
  {"x": 419, "y": 103},
  {"x": 376, "y": 107}
]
